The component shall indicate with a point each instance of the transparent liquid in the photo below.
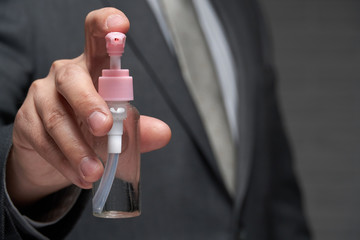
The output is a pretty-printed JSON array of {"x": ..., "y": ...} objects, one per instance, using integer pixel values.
[{"x": 123, "y": 200}]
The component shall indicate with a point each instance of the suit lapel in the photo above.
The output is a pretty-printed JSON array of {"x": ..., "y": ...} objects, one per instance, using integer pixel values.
[
  {"x": 244, "y": 42},
  {"x": 146, "y": 40}
]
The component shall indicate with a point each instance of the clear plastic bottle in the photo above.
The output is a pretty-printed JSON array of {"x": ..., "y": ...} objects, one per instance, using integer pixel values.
[{"x": 117, "y": 193}]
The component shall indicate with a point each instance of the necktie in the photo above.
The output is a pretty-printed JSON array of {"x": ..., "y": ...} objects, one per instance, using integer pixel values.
[{"x": 198, "y": 72}]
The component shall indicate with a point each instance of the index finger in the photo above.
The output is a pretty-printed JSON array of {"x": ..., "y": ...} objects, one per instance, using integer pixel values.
[{"x": 98, "y": 23}]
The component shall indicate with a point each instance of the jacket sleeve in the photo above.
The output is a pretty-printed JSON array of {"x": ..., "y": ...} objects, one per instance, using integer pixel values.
[{"x": 54, "y": 216}]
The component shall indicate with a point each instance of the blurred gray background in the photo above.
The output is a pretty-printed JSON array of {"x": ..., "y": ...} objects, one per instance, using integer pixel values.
[{"x": 317, "y": 53}]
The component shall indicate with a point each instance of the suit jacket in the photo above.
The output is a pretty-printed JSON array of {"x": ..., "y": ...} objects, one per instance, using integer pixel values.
[{"x": 183, "y": 195}]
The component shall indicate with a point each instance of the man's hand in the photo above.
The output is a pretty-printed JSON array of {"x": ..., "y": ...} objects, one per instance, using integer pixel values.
[{"x": 50, "y": 150}]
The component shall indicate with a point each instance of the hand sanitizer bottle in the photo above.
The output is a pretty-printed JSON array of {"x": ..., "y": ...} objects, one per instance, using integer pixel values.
[{"x": 117, "y": 194}]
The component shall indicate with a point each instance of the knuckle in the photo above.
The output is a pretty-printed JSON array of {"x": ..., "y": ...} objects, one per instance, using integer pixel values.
[
  {"x": 66, "y": 73},
  {"x": 54, "y": 120},
  {"x": 21, "y": 116},
  {"x": 21, "y": 123},
  {"x": 44, "y": 145},
  {"x": 36, "y": 86},
  {"x": 24, "y": 119},
  {"x": 58, "y": 64},
  {"x": 72, "y": 147},
  {"x": 86, "y": 101},
  {"x": 25, "y": 128}
]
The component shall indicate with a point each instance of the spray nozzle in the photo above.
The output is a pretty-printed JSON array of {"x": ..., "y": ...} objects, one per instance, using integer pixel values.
[{"x": 115, "y": 43}]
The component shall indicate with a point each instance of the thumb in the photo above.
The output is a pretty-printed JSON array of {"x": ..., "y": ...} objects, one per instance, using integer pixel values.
[{"x": 98, "y": 23}]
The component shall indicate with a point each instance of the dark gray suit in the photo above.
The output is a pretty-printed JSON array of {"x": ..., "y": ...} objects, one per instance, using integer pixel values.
[{"x": 183, "y": 195}]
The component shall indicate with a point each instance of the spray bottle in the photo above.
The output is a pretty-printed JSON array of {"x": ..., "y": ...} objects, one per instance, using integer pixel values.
[{"x": 116, "y": 195}]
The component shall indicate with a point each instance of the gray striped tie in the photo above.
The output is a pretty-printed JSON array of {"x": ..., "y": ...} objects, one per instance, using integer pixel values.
[{"x": 198, "y": 71}]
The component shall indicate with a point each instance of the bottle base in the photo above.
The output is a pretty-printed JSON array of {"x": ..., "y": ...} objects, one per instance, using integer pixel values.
[{"x": 117, "y": 214}]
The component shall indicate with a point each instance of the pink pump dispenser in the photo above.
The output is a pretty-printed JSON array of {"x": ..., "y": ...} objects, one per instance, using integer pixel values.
[
  {"x": 115, "y": 84},
  {"x": 116, "y": 195}
]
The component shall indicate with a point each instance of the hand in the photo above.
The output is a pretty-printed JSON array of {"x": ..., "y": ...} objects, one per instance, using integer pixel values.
[{"x": 49, "y": 148}]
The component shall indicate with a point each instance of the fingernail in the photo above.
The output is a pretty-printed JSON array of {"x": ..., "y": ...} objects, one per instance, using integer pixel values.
[
  {"x": 113, "y": 21},
  {"x": 88, "y": 167},
  {"x": 96, "y": 121}
]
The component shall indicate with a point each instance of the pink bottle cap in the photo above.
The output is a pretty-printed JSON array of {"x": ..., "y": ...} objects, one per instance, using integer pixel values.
[{"x": 116, "y": 85}]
